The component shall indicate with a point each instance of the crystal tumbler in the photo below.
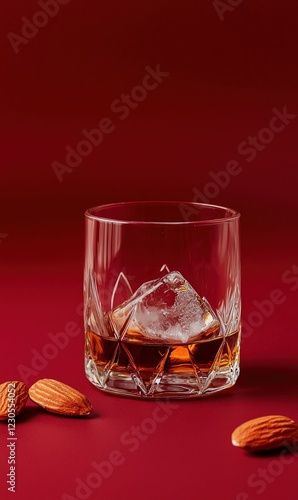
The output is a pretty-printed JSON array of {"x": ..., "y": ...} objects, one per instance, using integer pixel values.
[{"x": 162, "y": 298}]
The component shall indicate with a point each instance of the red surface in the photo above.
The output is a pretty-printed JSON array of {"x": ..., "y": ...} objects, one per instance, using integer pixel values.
[{"x": 227, "y": 80}]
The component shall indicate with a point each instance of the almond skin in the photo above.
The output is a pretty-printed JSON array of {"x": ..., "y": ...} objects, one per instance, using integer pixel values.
[
  {"x": 265, "y": 433},
  {"x": 13, "y": 398},
  {"x": 56, "y": 397}
]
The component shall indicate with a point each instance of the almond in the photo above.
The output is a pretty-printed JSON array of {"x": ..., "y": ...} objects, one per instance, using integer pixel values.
[
  {"x": 13, "y": 398},
  {"x": 265, "y": 433},
  {"x": 59, "y": 398}
]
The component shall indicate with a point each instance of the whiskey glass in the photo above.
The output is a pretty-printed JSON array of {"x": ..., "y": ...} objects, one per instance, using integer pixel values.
[{"x": 162, "y": 299}]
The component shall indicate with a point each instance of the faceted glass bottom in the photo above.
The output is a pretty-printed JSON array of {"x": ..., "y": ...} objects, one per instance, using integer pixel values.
[{"x": 158, "y": 370}]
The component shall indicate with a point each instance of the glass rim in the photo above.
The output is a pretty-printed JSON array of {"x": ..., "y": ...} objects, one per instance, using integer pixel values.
[{"x": 90, "y": 213}]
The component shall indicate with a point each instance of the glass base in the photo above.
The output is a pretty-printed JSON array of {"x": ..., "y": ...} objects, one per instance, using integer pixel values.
[{"x": 185, "y": 381}]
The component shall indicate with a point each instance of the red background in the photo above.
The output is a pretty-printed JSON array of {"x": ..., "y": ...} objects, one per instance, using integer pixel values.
[{"x": 225, "y": 78}]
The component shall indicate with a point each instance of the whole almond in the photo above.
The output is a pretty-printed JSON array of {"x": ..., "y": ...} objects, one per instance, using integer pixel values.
[
  {"x": 265, "y": 433},
  {"x": 56, "y": 397},
  {"x": 13, "y": 398}
]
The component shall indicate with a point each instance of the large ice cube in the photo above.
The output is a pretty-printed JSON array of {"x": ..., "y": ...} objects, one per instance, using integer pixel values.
[{"x": 167, "y": 309}]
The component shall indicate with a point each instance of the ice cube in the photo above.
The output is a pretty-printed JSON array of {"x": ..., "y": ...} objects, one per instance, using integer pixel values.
[{"x": 167, "y": 309}]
